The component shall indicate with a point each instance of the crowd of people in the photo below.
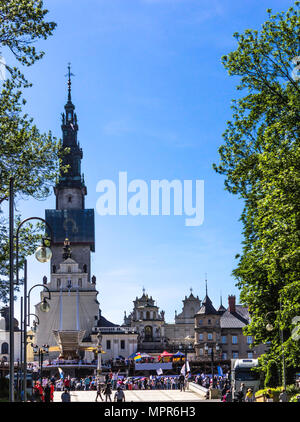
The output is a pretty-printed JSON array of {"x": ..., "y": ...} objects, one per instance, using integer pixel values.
[
  {"x": 113, "y": 384},
  {"x": 43, "y": 390}
]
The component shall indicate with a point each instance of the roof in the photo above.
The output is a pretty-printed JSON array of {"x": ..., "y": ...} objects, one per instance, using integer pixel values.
[
  {"x": 207, "y": 307},
  {"x": 103, "y": 322},
  {"x": 221, "y": 309},
  {"x": 237, "y": 319}
]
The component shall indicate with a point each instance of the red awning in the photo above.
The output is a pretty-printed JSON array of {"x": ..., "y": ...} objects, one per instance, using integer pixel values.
[{"x": 165, "y": 354}]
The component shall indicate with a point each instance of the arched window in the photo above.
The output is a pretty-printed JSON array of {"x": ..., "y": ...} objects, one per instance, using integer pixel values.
[
  {"x": 58, "y": 283},
  {"x": 147, "y": 315},
  {"x": 4, "y": 349},
  {"x": 80, "y": 282}
]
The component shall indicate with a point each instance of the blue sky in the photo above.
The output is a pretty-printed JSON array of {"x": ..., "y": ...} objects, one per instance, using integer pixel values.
[{"x": 152, "y": 98}]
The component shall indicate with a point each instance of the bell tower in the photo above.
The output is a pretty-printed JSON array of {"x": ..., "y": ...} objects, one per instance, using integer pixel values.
[
  {"x": 70, "y": 219},
  {"x": 70, "y": 189}
]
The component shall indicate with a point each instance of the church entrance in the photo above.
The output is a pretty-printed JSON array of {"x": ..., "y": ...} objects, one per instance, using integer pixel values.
[{"x": 148, "y": 333}]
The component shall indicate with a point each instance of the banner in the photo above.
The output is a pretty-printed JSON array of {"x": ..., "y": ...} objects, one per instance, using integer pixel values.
[
  {"x": 159, "y": 371},
  {"x": 220, "y": 371},
  {"x": 61, "y": 373},
  {"x": 185, "y": 369}
]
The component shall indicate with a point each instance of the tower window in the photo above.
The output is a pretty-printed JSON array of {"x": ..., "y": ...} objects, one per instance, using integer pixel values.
[
  {"x": 69, "y": 268},
  {"x": 79, "y": 282},
  {"x": 70, "y": 198},
  {"x": 58, "y": 283},
  {"x": 122, "y": 344}
]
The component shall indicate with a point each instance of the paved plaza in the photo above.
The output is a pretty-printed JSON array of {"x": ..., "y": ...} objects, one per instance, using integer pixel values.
[{"x": 137, "y": 396}]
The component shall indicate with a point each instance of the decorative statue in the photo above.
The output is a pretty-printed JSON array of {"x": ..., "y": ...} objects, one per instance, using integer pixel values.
[{"x": 99, "y": 339}]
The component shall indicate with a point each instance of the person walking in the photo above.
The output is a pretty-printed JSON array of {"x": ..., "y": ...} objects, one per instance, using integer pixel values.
[
  {"x": 99, "y": 390},
  {"x": 51, "y": 392},
  {"x": 249, "y": 396},
  {"x": 240, "y": 395},
  {"x": 283, "y": 396},
  {"x": 47, "y": 393},
  {"x": 182, "y": 382},
  {"x": 37, "y": 392},
  {"x": 115, "y": 380},
  {"x": 119, "y": 395},
  {"x": 66, "y": 397},
  {"x": 67, "y": 383},
  {"x": 108, "y": 392},
  {"x": 228, "y": 397},
  {"x": 269, "y": 395}
]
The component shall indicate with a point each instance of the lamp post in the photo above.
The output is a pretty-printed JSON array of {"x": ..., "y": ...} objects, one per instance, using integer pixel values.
[
  {"x": 99, "y": 351},
  {"x": 269, "y": 328},
  {"x": 42, "y": 254},
  {"x": 40, "y": 351},
  {"x": 44, "y": 307},
  {"x": 212, "y": 359},
  {"x": 185, "y": 348},
  {"x": 11, "y": 292}
]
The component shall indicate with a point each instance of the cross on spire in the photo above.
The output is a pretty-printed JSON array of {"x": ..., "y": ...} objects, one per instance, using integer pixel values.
[
  {"x": 206, "y": 283},
  {"x": 69, "y": 74}
]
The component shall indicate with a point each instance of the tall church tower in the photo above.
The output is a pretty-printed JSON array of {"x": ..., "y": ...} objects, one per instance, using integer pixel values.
[
  {"x": 70, "y": 219},
  {"x": 74, "y": 307}
]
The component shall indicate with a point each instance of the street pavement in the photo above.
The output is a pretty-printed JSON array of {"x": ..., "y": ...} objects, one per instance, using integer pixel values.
[{"x": 137, "y": 396}]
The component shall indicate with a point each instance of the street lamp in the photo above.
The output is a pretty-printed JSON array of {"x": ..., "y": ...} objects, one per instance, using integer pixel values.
[
  {"x": 270, "y": 328},
  {"x": 43, "y": 255},
  {"x": 40, "y": 351},
  {"x": 212, "y": 358}
]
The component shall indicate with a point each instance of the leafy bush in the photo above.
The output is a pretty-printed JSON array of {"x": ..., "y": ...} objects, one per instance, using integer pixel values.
[
  {"x": 292, "y": 391},
  {"x": 275, "y": 392},
  {"x": 294, "y": 398}
]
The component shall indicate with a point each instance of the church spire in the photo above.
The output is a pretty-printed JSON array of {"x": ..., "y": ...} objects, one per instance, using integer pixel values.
[
  {"x": 69, "y": 74},
  {"x": 72, "y": 177}
]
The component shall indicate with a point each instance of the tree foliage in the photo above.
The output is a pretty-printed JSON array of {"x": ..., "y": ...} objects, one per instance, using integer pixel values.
[
  {"x": 260, "y": 159},
  {"x": 26, "y": 154}
]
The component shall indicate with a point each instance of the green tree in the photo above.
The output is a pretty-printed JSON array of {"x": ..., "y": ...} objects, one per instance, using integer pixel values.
[
  {"x": 272, "y": 379},
  {"x": 260, "y": 159},
  {"x": 26, "y": 154}
]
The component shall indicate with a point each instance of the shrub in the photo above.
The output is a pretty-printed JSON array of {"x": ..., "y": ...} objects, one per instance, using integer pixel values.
[
  {"x": 294, "y": 398},
  {"x": 291, "y": 390}
]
